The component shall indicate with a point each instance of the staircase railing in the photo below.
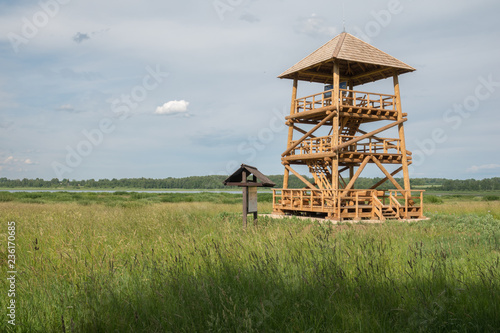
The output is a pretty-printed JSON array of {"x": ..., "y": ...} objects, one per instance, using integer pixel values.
[
  {"x": 409, "y": 208},
  {"x": 394, "y": 203},
  {"x": 377, "y": 206}
]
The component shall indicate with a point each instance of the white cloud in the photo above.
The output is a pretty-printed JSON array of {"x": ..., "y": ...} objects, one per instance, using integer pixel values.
[
  {"x": 315, "y": 26},
  {"x": 476, "y": 168},
  {"x": 172, "y": 107},
  {"x": 66, "y": 107},
  {"x": 11, "y": 160}
]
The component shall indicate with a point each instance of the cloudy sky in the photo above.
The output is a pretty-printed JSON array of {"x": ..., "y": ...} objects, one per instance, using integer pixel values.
[{"x": 115, "y": 89}]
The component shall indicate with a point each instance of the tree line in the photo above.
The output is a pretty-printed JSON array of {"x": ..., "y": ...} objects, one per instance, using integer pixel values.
[{"x": 215, "y": 182}]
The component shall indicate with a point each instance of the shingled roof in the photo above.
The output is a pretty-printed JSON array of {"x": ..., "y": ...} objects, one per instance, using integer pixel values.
[
  {"x": 236, "y": 179},
  {"x": 358, "y": 60}
]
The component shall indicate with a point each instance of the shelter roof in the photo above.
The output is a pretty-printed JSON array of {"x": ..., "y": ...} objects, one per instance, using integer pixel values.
[
  {"x": 236, "y": 179},
  {"x": 358, "y": 60}
]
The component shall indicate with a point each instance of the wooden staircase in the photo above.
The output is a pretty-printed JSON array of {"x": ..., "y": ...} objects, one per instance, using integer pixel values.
[
  {"x": 321, "y": 174},
  {"x": 350, "y": 127},
  {"x": 389, "y": 213}
]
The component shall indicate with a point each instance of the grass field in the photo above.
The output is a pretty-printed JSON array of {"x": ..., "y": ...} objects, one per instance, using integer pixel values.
[{"x": 140, "y": 262}]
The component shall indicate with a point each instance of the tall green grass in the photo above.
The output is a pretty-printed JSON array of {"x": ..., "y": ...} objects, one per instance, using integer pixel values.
[
  {"x": 124, "y": 199},
  {"x": 190, "y": 267}
]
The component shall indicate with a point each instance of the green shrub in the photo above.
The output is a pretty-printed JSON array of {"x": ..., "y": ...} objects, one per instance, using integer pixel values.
[
  {"x": 6, "y": 196},
  {"x": 491, "y": 198},
  {"x": 432, "y": 199}
]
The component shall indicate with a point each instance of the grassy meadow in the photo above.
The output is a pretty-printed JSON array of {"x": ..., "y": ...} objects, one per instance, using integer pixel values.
[{"x": 156, "y": 262}]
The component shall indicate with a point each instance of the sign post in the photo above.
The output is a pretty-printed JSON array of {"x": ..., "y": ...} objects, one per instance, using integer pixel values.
[{"x": 241, "y": 179}]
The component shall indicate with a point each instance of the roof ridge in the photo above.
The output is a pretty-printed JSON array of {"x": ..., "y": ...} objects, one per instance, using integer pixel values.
[
  {"x": 338, "y": 47},
  {"x": 387, "y": 54}
]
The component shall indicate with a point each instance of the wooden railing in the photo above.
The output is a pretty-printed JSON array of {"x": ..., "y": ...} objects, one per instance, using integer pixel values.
[
  {"x": 304, "y": 199},
  {"x": 377, "y": 207},
  {"x": 351, "y": 204},
  {"x": 410, "y": 204},
  {"x": 395, "y": 203},
  {"x": 323, "y": 144},
  {"x": 358, "y": 99}
]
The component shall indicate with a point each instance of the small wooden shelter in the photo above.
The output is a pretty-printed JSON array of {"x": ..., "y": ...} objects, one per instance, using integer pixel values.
[
  {"x": 249, "y": 178},
  {"x": 337, "y": 149}
]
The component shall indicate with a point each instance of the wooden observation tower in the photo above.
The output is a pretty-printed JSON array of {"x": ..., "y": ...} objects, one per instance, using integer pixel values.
[{"x": 346, "y": 136}]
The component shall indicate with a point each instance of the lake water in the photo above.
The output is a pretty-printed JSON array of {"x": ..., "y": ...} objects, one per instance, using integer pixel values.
[{"x": 143, "y": 191}]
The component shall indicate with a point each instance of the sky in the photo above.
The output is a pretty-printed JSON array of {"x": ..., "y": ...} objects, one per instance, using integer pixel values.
[{"x": 157, "y": 89}]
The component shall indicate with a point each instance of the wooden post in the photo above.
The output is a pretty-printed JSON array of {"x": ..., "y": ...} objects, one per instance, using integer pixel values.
[
  {"x": 245, "y": 198},
  {"x": 401, "y": 130},
  {"x": 351, "y": 88},
  {"x": 290, "y": 128},
  {"x": 335, "y": 129},
  {"x": 245, "y": 206}
]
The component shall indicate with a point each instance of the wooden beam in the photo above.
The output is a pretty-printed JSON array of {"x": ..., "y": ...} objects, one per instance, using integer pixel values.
[
  {"x": 401, "y": 131},
  {"x": 346, "y": 157},
  {"x": 302, "y": 131},
  {"x": 367, "y": 135},
  {"x": 387, "y": 174},
  {"x": 366, "y": 116},
  {"x": 342, "y": 179},
  {"x": 322, "y": 110},
  {"x": 296, "y": 143},
  {"x": 375, "y": 137},
  {"x": 356, "y": 175},
  {"x": 245, "y": 198},
  {"x": 299, "y": 176},
  {"x": 335, "y": 125},
  {"x": 290, "y": 127},
  {"x": 343, "y": 169},
  {"x": 369, "y": 74},
  {"x": 245, "y": 185},
  {"x": 386, "y": 179}
]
